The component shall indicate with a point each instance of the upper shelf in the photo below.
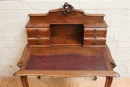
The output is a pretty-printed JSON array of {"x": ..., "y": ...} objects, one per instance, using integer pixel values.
[
  {"x": 66, "y": 15},
  {"x": 59, "y": 10}
]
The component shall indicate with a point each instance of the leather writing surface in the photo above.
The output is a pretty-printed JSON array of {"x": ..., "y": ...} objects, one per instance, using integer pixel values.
[{"x": 66, "y": 62}]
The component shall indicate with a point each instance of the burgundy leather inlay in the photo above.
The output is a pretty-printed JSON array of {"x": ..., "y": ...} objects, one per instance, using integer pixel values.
[{"x": 66, "y": 62}]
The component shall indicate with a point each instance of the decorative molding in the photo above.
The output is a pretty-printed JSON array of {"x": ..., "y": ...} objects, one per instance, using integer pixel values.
[{"x": 67, "y": 9}]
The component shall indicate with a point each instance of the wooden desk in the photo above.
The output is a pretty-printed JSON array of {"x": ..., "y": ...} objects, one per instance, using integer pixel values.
[{"x": 66, "y": 44}]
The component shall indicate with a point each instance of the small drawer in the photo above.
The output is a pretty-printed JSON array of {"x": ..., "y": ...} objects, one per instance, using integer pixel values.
[
  {"x": 38, "y": 41},
  {"x": 94, "y": 42},
  {"x": 94, "y": 35},
  {"x": 37, "y": 32},
  {"x": 95, "y": 30}
]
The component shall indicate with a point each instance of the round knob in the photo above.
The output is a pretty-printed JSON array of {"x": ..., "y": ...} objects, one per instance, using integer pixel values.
[
  {"x": 37, "y": 31},
  {"x": 95, "y": 36},
  {"x": 95, "y": 30},
  {"x": 38, "y": 43},
  {"x": 94, "y": 43},
  {"x": 38, "y": 36}
]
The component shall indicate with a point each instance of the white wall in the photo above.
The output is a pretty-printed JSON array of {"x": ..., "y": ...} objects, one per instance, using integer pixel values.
[{"x": 14, "y": 16}]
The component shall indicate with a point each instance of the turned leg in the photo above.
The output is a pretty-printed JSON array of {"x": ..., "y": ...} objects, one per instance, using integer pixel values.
[
  {"x": 24, "y": 81},
  {"x": 108, "y": 81},
  {"x": 95, "y": 78},
  {"x": 39, "y": 77}
]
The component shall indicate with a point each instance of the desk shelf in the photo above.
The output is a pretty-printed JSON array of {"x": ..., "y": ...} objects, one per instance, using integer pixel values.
[
  {"x": 66, "y": 40},
  {"x": 66, "y": 34}
]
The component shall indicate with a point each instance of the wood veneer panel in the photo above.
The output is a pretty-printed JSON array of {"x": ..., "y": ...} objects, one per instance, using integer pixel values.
[
  {"x": 65, "y": 73},
  {"x": 69, "y": 34}
]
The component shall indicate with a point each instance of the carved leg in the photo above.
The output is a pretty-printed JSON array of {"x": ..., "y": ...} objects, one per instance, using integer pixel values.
[
  {"x": 24, "y": 81},
  {"x": 108, "y": 81},
  {"x": 95, "y": 78},
  {"x": 39, "y": 77}
]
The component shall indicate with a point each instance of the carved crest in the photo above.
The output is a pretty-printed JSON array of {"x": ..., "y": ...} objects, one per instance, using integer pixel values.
[{"x": 67, "y": 9}]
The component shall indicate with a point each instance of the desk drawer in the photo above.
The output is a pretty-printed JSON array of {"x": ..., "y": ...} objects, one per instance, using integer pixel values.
[
  {"x": 37, "y": 32},
  {"x": 95, "y": 42},
  {"x": 95, "y": 30},
  {"x": 38, "y": 41},
  {"x": 87, "y": 35}
]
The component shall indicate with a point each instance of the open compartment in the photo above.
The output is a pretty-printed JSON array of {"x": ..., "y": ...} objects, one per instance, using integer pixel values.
[{"x": 66, "y": 34}]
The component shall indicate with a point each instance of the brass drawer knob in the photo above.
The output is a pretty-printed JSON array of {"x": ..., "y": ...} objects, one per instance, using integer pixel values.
[
  {"x": 38, "y": 43},
  {"x": 37, "y": 31},
  {"x": 94, "y": 43},
  {"x": 95, "y": 36},
  {"x": 38, "y": 36},
  {"x": 95, "y": 30}
]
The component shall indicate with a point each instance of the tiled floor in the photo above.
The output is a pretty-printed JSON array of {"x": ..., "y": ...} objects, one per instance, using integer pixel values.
[{"x": 64, "y": 82}]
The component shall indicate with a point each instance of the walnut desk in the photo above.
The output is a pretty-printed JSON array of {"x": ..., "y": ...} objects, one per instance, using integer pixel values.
[{"x": 62, "y": 44}]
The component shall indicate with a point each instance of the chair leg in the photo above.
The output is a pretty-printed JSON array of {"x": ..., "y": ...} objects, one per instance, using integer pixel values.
[
  {"x": 39, "y": 77},
  {"x": 95, "y": 78},
  {"x": 24, "y": 81},
  {"x": 108, "y": 81}
]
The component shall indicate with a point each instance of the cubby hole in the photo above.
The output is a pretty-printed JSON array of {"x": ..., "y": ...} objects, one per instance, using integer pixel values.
[{"x": 66, "y": 34}]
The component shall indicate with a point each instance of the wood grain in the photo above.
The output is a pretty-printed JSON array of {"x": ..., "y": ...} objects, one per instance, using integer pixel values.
[
  {"x": 63, "y": 73},
  {"x": 78, "y": 33}
]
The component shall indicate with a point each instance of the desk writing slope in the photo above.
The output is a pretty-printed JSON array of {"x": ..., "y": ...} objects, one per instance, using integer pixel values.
[
  {"x": 66, "y": 62},
  {"x": 66, "y": 42}
]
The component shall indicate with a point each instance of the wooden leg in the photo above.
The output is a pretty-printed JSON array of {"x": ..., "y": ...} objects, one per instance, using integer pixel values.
[
  {"x": 95, "y": 78},
  {"x": 39, "y": 77},
  {"x": 24, "y": 81},
  {"x": 108, "y": 81}
]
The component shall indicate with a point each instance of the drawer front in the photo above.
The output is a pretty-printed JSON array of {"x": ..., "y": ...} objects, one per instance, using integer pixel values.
[
  {"x": 95, "y": 30},
  {"x": 39, "y": 42},
  {"x": 37, "y": 32},
  {"x": 94, "y": 35},
  {"x": 94, "y": 42}
]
